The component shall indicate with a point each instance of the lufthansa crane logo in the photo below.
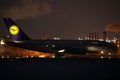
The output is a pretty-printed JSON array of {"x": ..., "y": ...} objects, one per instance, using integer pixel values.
[{"x": 14, "y": 30}]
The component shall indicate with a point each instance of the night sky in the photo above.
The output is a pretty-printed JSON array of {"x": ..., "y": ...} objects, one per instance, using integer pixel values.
[{"x": 67, "y": 19}]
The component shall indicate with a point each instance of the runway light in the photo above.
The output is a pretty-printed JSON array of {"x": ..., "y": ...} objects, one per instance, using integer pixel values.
[
  {"x": 53, "y": 56},
  {"x": 2, "y": 56},
  {"x": 109, "y": 53},
  {"x": 17, "y": 57},
  {"x": 41, "y": 56},
  {"x": 109, "y": 57},
  {"x": 26, "y": 56},
  {"x": 102, "y": 52},
  {"x": 31, "y": 56},
  {"x": 8, "y": 57},
  {"x": 101, "y": 57}
]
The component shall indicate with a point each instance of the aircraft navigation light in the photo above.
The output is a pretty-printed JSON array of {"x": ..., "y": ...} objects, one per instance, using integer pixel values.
[
  {"x": 53, "y": 45},
  {"x": 63, "y": 50}
]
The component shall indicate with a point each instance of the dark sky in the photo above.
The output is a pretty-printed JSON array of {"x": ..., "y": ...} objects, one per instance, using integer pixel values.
[{"x": 67, "y": 19}]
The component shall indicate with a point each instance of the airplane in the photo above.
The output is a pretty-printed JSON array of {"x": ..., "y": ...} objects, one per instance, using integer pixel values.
[{"x": 75, "y": 47}]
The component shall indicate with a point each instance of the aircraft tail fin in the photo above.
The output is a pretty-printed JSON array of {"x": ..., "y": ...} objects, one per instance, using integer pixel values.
[{"x": 15, "y": 31}]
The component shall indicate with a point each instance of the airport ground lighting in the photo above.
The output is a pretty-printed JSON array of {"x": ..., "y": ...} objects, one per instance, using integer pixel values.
[{"x": 2, "y": 42}]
